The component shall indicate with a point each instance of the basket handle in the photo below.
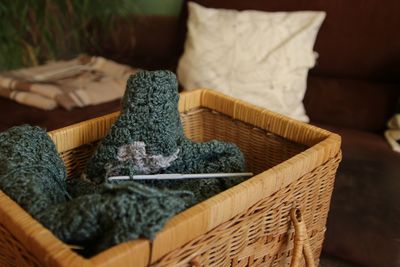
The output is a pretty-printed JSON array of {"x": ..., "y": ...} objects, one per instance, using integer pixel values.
[
  {"x": 301, "y": 242},
  {"x": 195, "y": 262}
]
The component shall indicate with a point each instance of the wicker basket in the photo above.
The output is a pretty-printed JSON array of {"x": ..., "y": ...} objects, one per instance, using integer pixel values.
[{"x": 249, "y": 224}]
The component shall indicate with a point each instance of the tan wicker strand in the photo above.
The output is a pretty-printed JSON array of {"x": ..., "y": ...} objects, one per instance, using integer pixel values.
[{"x": 247, "y": 225}]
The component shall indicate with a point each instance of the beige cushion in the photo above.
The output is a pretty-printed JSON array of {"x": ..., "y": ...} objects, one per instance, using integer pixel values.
[{"x": 259, "y": 57}]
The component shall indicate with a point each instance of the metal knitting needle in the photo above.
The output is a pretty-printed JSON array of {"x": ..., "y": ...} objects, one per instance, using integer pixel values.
[{"x": 179, "y": 176}]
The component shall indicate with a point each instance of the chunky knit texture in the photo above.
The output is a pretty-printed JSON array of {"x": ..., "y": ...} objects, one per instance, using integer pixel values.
[
  {"x": 97, "y": 216},
  {"x": 31, "y": 172},
  {"x": 148, "y": 138},
  {"x": 114, "y": 214}
]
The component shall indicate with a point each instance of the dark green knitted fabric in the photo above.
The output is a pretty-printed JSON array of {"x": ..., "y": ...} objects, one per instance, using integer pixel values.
[
  {"x": 148, "y": 138},
  {"x": 98, "y": 216},
  {"x": 116, "y": 213},
  {"x": 31, "y": 172}
]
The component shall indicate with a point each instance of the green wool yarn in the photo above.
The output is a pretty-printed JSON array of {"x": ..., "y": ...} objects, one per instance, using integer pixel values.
[
  {"x": 148, "y": 138},
  {"x": 31, "y": 172},
  {"x": 98, "y": 216},
  {"x": 115, "y": 214}
]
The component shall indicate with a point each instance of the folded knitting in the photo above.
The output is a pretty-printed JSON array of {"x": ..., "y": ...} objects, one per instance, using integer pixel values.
[
  {"x": 148, "y": 138},
  {"x": 95, "y": 217}
]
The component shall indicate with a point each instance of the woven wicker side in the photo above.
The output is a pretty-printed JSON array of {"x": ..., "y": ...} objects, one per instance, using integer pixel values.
[
  {"x": 269, "y": 121},
  {"x": 25, "y": 242},
  {"x": 278, "y": 149},
  {"x": 261, "y": 148},
  {"x": 75, "y": 159},
  {"x": 263, "y": 234},
  {"x": 9, "y": 244}
]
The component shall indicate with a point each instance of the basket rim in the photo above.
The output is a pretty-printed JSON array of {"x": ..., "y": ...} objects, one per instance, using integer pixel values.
[{"x": 201, "y": 218}]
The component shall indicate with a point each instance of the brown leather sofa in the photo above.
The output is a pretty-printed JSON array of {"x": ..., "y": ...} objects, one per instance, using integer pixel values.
[{"x": 352, "y": 91}]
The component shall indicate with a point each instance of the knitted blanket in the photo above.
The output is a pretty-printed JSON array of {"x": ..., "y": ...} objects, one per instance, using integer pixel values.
[
  {"x": 147, "y": 138},
  {"x": 79, "y": 213}
]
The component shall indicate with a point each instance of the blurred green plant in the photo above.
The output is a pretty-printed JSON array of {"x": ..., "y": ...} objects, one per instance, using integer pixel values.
[{"x": 35, "y": 31}]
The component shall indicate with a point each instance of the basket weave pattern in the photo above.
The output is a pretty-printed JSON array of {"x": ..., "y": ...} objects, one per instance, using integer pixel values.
[
  {"x": 263, "y": 235},
  {"x": 248, "y": 225},
  {"x": 13, "y": 252}
]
